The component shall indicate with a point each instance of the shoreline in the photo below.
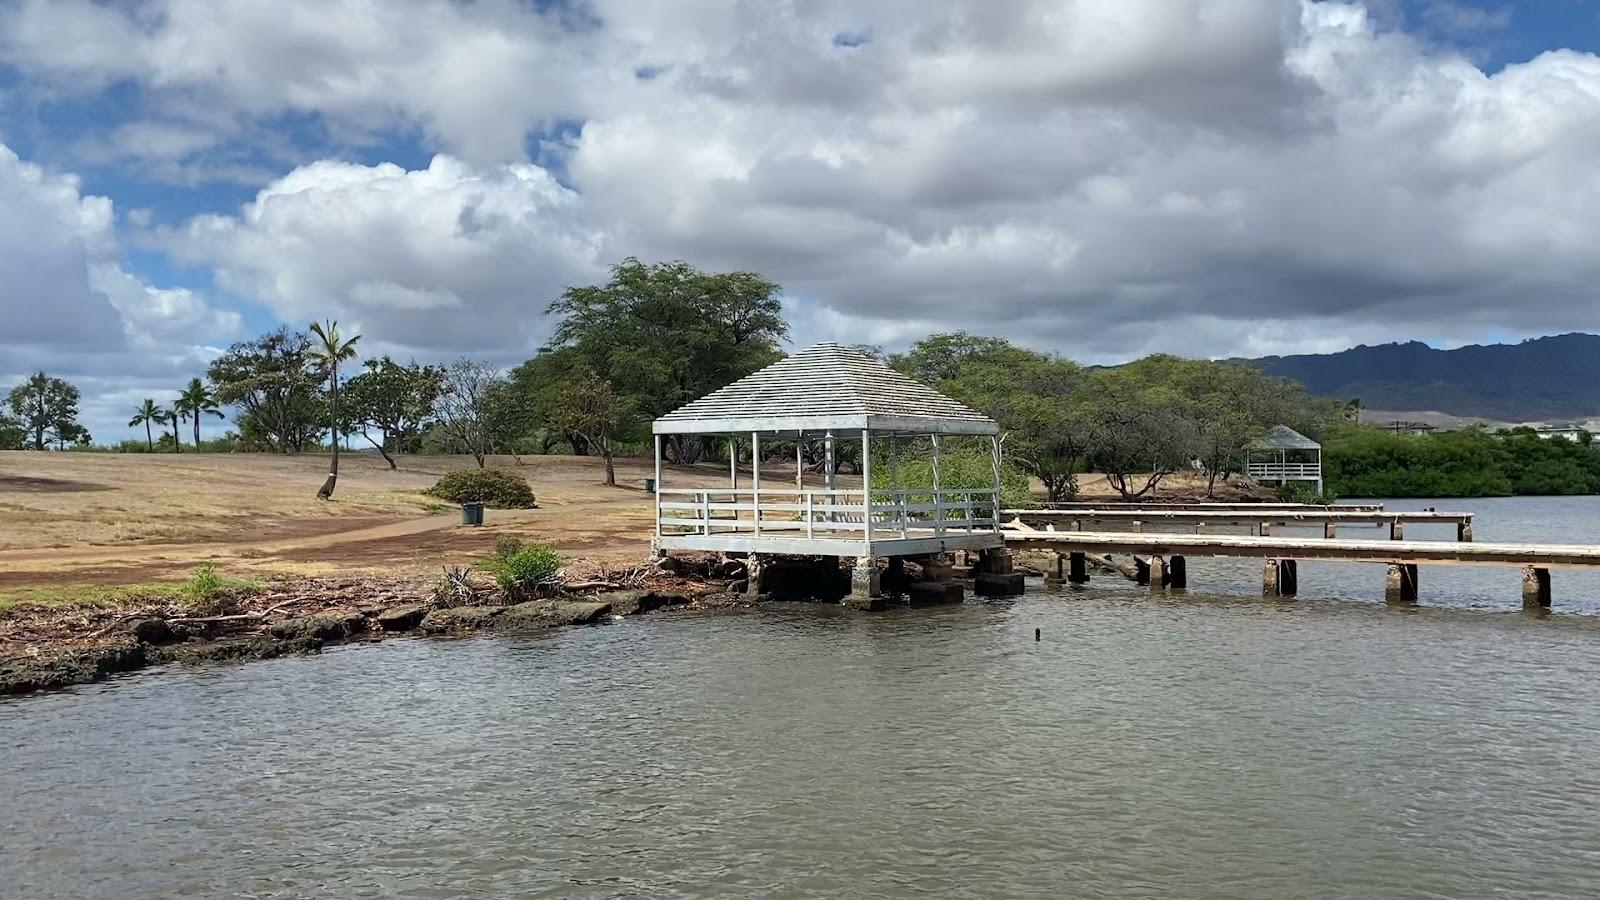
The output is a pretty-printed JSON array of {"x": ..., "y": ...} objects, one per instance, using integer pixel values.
[{"x": 45, "y": 648}]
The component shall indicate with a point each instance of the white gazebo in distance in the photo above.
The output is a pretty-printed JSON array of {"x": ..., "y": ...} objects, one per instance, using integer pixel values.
[
  {"x": 833, "y": 394},
  {"x": 1285, "y": 455}
]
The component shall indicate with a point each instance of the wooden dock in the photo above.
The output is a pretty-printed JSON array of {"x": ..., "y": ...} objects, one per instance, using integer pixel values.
[
  {"x": 1258, "y": 520},
  {"x": 1216, "y": 506},
  {"x": 1167, "y": 555}
]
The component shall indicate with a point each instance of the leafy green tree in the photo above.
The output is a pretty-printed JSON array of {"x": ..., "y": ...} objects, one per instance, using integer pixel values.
[
  {"x": 1143, "y": 432},
  {"x": 197, "y": 400},
  {"x": 269, "y": 379},
  {"x": 47, "y": 409},
  {"x": 147, "y": 414},
  {"x": 939, "y": 358},
  {"x": 664, "y": 334},
  {"x": 12, "y": 435},
  {"x": 393, "y": 399},
  {"x": 328, "y": 350},
  {"x": 586, "y": 404}
]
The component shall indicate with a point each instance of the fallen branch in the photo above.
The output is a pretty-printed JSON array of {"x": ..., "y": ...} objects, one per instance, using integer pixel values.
[{"x": 591, "y": 585}]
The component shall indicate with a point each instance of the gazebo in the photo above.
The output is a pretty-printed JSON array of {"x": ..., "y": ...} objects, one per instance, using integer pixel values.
[
  {"x": 835, "y": 395},
  {"x": 1284, "y": 455}
]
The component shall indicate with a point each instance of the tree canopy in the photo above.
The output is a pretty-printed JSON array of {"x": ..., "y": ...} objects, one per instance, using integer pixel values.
[{"x": 46, "y": 409}]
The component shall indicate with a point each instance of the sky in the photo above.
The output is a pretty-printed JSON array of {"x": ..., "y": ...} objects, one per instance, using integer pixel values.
[{"x": 1099, "y": 178}]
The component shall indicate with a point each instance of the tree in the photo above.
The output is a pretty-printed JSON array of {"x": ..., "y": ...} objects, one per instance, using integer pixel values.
[
  {"x": 586, "y": 404},
  {"x": 12, "y": 435},
  {"x": 270, "y": 380},
  {"x": 173, "y": 416},
  {"x": 47, "y": 410},
  {"x": 465, "y": 406},
  {"x": 197, "y": 400},
  {"x": 665, "y": 334},
  {"x": 327, "y": 352},
  {"x": 394, "y": 400},
  {"x": 1142, "y": 432},
  {"x": 148, "y": 414},
  {"x": 1041, "y": 401}
]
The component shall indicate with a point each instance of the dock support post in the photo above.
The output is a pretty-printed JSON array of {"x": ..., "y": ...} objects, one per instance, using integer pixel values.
[
  {"x": 1141, "y": 572},
  {"x": 1400, "y": 586},
  {"x": 1535, "y": 588},
  {"x": 939, "y": 567},
  {"x": 865, "y": 587},
  {"x": 1397, "y": 530},
  {"x": 894, "y": 579},
  {"x": 1078, "y": 567},
  {"x": 1178, "y": 573},
  {"x": 1266, "y": 529},
  {"x": 753, "y": 566},
  {"x": 1055, "y": 576},
  {"x": 995, "y": 576},
  {"x": 1158, "y": 574},
  {"x": 1464, "y": 532},
  {"x": 1280, "y": 578},
  {"x": 1330, "y": 530}
]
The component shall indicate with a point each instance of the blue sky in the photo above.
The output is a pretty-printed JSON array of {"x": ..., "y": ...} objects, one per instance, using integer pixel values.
[{"x": 1214, "y": 177}]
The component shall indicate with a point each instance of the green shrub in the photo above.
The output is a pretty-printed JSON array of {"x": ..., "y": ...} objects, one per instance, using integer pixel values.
[
  {"x": 529, "y": 572},
  {"x": 497, "y": 488},
  {"x": 962, "y": 469},
  {"x": 209, "y": 594}
]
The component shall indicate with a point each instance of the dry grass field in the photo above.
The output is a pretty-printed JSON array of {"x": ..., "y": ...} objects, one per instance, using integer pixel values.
[{"x": 101, "y": 519}]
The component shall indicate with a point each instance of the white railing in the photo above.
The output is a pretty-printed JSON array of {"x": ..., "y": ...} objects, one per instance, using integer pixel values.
[
  {"x": 835, "y": 514},
  {"x": 1275, "y": 471}
]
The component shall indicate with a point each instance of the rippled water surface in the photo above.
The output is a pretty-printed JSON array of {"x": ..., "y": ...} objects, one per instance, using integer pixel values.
[{"x": 1196, "y": 746}]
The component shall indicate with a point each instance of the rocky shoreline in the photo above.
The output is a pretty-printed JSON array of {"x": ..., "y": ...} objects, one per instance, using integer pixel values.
[{"x": 44, "y": 649}]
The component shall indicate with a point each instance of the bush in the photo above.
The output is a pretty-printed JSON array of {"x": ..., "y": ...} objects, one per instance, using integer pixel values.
[
  {"x": 209, "y": 594},
  {"x": 961, "y": 469},
  {"x": 497, "y": 488},
  {"x": 527, "y": 573}
]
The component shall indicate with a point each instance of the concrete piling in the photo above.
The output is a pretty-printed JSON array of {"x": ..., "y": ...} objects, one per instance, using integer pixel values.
[
  {"x": 1400, "y": 586},
  {"x": 1178, "y": 573},
  {"x": 1535, "y": 588},
  {"x": 1280, "y": 578},
  {"x": 1158, "y": 573},
  {"x": 995, "y": 575}
]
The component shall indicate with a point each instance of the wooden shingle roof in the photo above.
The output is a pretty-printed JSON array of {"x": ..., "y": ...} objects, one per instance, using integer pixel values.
[
  {"x": 1282, "y": 437},
  {"x": 827, "y": 386}
]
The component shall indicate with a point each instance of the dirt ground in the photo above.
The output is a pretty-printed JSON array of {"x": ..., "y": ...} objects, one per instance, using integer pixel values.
[
  {"x": 102, "y": 518},
  {"x": 71, "y": 519}
]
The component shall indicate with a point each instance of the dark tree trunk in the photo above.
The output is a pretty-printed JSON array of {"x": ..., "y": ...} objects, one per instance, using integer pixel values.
[
  {"x": 605, "y": 450},
  {"x": 197, "y": 431},
  {"x": 148, "y": 437},
  {"x": 326, "y": 491},
  {"x": 177, "y": 442}
]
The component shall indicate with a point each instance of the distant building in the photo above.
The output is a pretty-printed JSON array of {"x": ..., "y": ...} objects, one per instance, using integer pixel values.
[
  {"x": 1400, "y": 426},
  {"x": 1284, "y": 455},
  {"x": 1564, "y": 430}
]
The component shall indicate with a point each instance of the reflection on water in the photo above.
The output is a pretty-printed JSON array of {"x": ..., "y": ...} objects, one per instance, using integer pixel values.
[{"x": 1144, "y": 747}]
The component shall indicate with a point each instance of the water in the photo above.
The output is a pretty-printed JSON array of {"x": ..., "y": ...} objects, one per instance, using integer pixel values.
[{"x": 1198, "y": 747}]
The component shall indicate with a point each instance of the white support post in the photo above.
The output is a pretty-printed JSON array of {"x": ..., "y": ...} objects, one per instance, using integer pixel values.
[
  {"x": 755, "y": 478},
  {"x": 811, "y": 513},
  {"x": 829, "y": 465},
  {"x": 938, "y": 505},
  {"x": 705, "y": 513},
  {"x": 733, "y": 465},
  {"x": 866, "y": 487},
  {"x": 658, "y": 486},
  {"x": 998, "y": 464},
  {"x": 799, "y": 461}
]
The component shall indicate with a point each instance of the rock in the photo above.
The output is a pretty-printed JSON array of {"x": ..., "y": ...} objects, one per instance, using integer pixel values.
[
  {"x": 729, "y": 568},
  {"x": 248, "y": 648},
  {"x": 460, "y": 618},
  {"x": 991, "y": 584},
  {"x": 554, "y": 613},
  {"x": 638, "y": 602},
  {"x": 670, "y": 565},
  {"x": 327, "y": 625},
  {"x": 151, "y": 631},
  {"x": 71, "y": 667},
  {"x": 925, "y": 593},
  {"x": 401, "y": 618}
]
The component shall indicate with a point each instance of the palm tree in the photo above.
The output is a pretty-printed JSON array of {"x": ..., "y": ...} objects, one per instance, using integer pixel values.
[
  {"x": 196, "y": 400},
  {"x": 148, "y": 413},
  {"x": 173, "y": 416},
  {"x": 331, "y": 350}
]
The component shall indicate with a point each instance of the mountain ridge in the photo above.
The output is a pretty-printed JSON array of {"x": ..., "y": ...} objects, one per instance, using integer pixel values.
[{"x": 1544, "y": 378}]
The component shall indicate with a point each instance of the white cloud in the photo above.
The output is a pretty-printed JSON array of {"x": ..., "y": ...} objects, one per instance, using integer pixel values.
[
  {"x": 66, "y": 304},
  {"x": 440, "y": 261}
]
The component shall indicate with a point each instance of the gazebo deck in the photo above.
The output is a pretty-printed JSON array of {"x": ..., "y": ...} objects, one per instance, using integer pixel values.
[{"x": 828, "y": 522}]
